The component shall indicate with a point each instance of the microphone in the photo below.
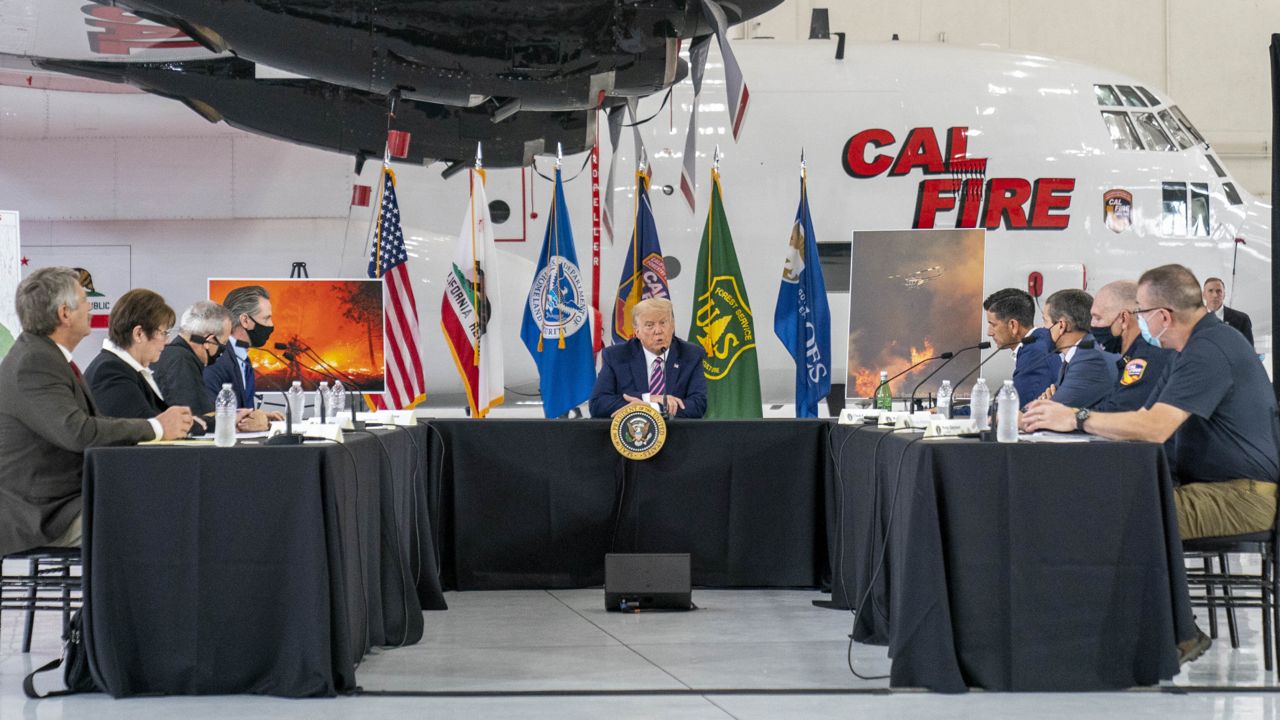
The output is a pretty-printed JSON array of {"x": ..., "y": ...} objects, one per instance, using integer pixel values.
[
  {"x": 281, "y": 346},
  {"x": 980, "y": 346},
  {"x": 288, "y": 437}
]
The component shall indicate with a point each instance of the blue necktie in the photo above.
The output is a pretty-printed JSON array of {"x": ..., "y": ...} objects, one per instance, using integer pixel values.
[{"x": 248, "y": 383}]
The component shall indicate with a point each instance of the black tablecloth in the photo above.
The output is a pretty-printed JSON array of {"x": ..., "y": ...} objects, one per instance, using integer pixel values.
[
  {"x": 252, "y": 569},
  {"x": 1010, "y": 567},
  {"x": 538, "y": 503}
]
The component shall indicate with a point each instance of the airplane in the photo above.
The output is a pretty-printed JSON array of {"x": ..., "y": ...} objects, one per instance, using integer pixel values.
[{"x": 1058, "y": 139}]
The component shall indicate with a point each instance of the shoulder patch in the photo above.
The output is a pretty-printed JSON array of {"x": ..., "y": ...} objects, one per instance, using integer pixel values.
[{"x": 1133, "y": 371}]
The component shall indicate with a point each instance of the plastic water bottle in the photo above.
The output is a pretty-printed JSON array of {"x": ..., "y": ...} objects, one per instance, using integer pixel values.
[
  {"x": 944, "y": 399},
  {"x": 322, "y": 401},
  {"x": 980, "y": 405},
  {"x": 224, "y": 427},
  {"x": 1007, "y": 413},
  {"x": 884, "y": 396},
  {"x": 296, "y": 398},
  {"x": 337, "y": 400}
]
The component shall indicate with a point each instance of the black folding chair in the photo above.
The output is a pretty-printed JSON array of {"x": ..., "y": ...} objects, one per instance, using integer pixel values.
[
  {"x": 49, "y": 584},
  {"x": 1240, "y": 590}
]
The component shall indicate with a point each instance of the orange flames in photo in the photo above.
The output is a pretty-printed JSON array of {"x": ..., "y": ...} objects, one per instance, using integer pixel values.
[
  {"x": 867, "y": 380},
  {"x": 331, "y": 330}
]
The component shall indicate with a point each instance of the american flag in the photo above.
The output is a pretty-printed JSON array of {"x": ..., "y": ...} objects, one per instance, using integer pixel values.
[{"x": 387, "y": 260}]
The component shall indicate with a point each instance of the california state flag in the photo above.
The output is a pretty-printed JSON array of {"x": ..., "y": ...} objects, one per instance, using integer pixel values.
[{"x": 469, "y": 311}]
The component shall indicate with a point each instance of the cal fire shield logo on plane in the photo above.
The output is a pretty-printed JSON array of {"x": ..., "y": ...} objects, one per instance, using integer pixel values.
[
  {"x": 991, "y": 203},
  {"x": 1118, "y": 209}
]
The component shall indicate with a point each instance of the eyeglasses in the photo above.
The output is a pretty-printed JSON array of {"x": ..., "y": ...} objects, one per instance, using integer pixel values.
[{"x": 1140, "y": 311}]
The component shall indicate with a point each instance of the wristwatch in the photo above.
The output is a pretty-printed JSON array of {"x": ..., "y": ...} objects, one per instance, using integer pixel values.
[{"x": 1082, "y": 414}]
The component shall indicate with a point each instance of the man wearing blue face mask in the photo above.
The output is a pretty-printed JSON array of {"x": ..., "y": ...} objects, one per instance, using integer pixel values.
[
  {"x": 1115, "y": 328},
  {"x": 1215, "y": 401}
]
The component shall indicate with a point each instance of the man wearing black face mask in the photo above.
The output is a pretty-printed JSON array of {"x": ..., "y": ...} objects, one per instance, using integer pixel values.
[
  {"x": 1115, "y": 328},
  {"x": 251, "y": 326},
  {"x": 1088, "y": 373},
  {"x": 203, "y": 333}
]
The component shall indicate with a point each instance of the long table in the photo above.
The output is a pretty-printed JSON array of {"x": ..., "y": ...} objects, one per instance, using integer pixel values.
[
  {"x": 538, "y": 503},
  {"x": 1009, "y": 567},
  {"x": 255, "y": 569}
]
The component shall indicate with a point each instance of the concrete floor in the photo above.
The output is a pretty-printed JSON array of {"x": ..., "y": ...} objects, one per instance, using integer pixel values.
[{"x": 744, "y": 654}]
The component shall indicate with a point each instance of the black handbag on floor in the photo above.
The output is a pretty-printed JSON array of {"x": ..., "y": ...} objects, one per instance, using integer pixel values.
[{"x": 76, "y": 674}]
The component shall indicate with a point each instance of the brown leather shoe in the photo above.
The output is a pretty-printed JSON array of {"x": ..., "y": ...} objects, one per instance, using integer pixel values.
[{"x": 1189, "y": 650}]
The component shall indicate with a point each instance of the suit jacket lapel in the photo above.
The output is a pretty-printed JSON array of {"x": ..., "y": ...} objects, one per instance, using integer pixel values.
[{"x": 639, "y": 370}]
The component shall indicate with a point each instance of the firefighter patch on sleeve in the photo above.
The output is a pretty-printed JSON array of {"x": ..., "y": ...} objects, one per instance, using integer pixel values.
[{"x": 1133, "y": 371}]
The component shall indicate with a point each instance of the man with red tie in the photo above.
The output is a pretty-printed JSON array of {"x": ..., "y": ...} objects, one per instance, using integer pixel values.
[
  {"x": 654, "y": 366},
  {"x": 48, "y": 418}
]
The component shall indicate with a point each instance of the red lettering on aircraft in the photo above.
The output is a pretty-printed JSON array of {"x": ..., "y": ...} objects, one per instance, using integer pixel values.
[
  {"x": 975, "y": 201},
  {"x": 124, "y": 32}
]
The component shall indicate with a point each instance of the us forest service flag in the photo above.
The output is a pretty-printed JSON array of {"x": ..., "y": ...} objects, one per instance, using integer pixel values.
[
  {"x": 387, "y": 260},
  {"x": 722, "y": 321},
  {"x": 469, "y": 312},
  {"x": 802, "y": 319},
  {"x": 644, "y": 274},
  {"x": 555, "y": 328}
]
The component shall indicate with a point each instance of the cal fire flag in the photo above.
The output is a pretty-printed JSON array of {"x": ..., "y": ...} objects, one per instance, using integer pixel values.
[
  {"x": 644, "y": 275},
  {"x": 802, "y": 319},
  {"x": 469, "y": 312},
  {"x": 387, "y": 260},
  {"x": 556, "y": 328},
  {"x": 722, "y": 321}
]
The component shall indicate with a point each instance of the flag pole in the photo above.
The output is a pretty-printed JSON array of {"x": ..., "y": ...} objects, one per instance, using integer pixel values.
[
  {"x": 475, "y": 262},
  {"x": 556, "y": 214}
]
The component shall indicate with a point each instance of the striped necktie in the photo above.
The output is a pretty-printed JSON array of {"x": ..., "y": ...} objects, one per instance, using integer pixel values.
[{"x": 657, "y": 379}]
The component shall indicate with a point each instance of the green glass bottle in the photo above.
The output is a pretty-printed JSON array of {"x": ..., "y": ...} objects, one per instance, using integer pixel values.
[{"x": 884, "y": 396}]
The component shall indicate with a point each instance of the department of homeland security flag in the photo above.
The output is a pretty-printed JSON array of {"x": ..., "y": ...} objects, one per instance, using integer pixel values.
[
  {"x": 469, "y": 314},
  {"x": 387, "y": 259},
  {"x": 722, "y": 321},
  {"x": 802, "y": 320},
  {"x": 644, "y": 275},
  {"x": 555, "y": 326}
]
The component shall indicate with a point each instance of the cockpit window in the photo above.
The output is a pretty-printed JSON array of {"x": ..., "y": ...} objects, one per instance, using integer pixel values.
[
  {"x": 1131, "y": 96},
  {"x": 1106, "y": 95},
  {"x": 1153, "y": 136},
  {"x": 1187, "y": 124},
  {"x": 1184, "y": 141},
  {"x": 1233, "y": 196},
  {"x": 1216, "y": 167},
  {"x": 1173, "y": 210},
  {"x": 1200, "y": 209},
  {"x": 1152, "y": 100},
  {"x": 1123, "y": 136}
]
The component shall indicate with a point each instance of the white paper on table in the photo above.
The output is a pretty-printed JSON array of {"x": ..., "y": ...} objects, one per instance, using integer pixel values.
[{"x": 1047, "y": 436}]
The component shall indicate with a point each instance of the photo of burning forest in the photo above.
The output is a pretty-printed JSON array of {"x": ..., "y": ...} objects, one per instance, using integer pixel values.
[
  {"x": 325, "y": 330},
  {"x": 913, "y": 294}
]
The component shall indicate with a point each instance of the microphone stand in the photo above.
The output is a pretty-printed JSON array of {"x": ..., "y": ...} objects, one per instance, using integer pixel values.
[
  {"x": 980, "y": 346},
  {"x": 287, "y": 437}
]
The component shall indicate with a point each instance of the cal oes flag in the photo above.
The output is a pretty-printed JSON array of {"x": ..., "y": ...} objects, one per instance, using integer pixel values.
[
  {"x": 387, "y": 259},
  {"x": 469, "y": 313},
  {"x": 802, "y": 319},
  {"x": 722, "y": 321},
  {"x": 556, "y": 329},
  {"x": 644, "y": 275}
]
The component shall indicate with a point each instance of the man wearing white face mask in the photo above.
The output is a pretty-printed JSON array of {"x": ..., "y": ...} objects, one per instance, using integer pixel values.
[{"x": 1215, "y": 401}]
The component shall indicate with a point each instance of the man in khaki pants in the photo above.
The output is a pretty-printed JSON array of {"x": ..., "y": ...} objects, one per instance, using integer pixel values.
[{"x": 1215, "y": 402}]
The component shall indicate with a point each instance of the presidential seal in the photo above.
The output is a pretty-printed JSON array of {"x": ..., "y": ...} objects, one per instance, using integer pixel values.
[{"x": 638, "y": 432}]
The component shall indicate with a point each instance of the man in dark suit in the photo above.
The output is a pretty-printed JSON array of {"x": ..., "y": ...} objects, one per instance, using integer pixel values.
[
  {"x": 251, "y": 326},
  {"x": 1088, "y": 373},
  {"x": 654, "y": 366},
  {"x": 1010, "y": 314},
  {"x": 1215, "y": 295},
  {"x": 48, "y": 418}
]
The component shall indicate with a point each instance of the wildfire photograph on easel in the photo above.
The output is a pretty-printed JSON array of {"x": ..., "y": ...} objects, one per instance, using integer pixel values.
[{"x": 325, "y": 331}]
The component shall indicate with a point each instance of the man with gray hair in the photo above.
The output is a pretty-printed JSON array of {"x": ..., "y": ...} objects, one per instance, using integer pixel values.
[
  {"x": 203, "y": 333},
  {"x": 48, "y": 417},
  {"x": 251, "y": 326},
  {"x": 1141, "y": 365},
  {"x": 655, "y": 367},
  {"x": 1088, "y": 373}
]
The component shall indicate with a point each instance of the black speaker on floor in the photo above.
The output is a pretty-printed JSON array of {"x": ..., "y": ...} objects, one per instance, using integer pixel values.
[{"x": 647, "y": 581}]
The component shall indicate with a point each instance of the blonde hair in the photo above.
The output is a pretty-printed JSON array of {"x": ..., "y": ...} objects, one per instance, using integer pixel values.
[{"x": 652, "y": 305}]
